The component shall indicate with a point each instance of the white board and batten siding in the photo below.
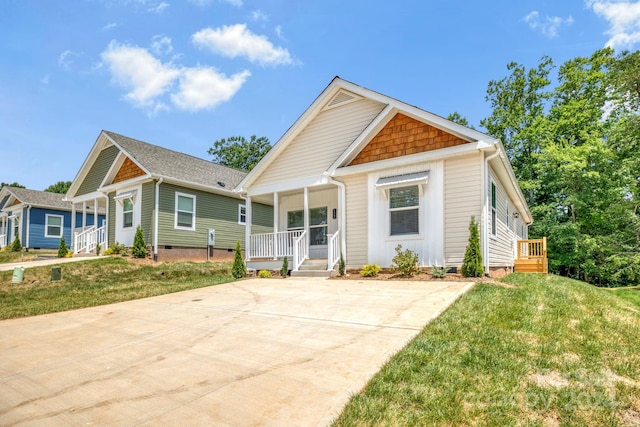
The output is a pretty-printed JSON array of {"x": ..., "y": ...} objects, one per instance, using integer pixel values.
[
  {"x": 357, "y": 220},
  {"x": 502, "y": 245},
  {"x": 428, "y": 244},
  {"x": 317, "y": 199},
  {"x": 462, "y": 199},
  {"x": 321, "y": 142}
]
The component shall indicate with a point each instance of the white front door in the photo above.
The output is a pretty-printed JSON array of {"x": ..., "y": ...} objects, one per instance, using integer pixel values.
[
  {"x": 318, "y": 230},
  {"x": 127, "y": 215}
]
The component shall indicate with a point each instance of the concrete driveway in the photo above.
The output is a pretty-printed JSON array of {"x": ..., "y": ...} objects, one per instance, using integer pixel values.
[{"x": 254, "y": 352}]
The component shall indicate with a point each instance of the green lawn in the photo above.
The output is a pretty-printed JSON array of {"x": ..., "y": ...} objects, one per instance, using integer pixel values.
[
  {"x": 7, "y": 256},
  {"x": 547, "y": 351},
  {"x": 103, "y": 281},
  {"x": 631, "y": 295}
]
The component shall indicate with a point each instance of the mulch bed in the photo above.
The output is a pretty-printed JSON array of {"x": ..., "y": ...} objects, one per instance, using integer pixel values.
[{"x": 422, "y": 277}]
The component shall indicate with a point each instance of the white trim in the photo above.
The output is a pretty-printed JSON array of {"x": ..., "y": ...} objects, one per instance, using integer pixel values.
[
  {"x": 416, "y": 207},
  {"x": 417, "y": 178},
  {"x": 46, "y": 225},
  {"x": 290, "y": 185},
  {"x": 493, "y": 210},
  {"x": 240, "y": 214},
  {"x": 131, "y": 194},
  {"x": 193, "y": 214}
]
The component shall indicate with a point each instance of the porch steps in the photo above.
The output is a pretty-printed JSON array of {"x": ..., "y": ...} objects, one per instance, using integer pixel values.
[{"x": 313, "y": 268}]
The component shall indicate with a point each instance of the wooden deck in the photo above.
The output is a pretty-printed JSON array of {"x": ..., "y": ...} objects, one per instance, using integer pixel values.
[{"x": 532, "y": 256}]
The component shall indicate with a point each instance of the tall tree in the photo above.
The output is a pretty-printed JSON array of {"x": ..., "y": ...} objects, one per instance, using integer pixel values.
[
  {"x": 14, "y": 184},
  {"x": 459, "y": 119},
  {"x": 236, "y": 152},
  {"x": 59, "y": 187}
]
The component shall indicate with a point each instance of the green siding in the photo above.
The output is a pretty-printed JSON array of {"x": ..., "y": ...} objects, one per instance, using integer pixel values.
[
  {"x": 148, "y": 211},
  {"x": 261, "y": 218},
  {"x": 98, "y": 170},
  {"x": 111, "y": 221},
  {"x": 212, "y": 211}
]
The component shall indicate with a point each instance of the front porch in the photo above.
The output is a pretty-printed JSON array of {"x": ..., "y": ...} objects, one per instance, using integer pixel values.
[
  {"x": 89, "y": 224},
  {"x": 532, "y": 256}
]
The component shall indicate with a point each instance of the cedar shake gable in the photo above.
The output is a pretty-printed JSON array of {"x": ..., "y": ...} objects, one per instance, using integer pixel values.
[
  {"x": 403, "y": 136},
  {"x": 128, "y": 170}
]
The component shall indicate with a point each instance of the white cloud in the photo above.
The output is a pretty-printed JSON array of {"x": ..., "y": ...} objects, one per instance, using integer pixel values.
[
  {"x": 45, "y": 79},
  {"x": 158, "y": 8},
  {"x": 109, "y": 26},
  {"x": 547, "y": 26},
  {"x": 137, "y": 70},
  {"x": 259, "y": 16},
  {"x": 161, "y": 45},
  {"x": 237, "y": 40},
  {"x": 624, "y": 21},
  {"x": 67, "y": 59},
  {"x": 205, "y": 88},
  {"x": 279, "y": 32}
]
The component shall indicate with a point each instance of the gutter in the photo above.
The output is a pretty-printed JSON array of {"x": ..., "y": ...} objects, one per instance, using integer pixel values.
[
  {"x": 155, "y": 219},
  {"x": 485, "y": 211}
]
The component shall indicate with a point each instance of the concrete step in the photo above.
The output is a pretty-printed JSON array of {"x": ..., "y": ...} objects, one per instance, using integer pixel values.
[
  {"x": 313, "y": 267},
  {"x": 311, "y": 273},
  {"x": 315, "y": 261}
]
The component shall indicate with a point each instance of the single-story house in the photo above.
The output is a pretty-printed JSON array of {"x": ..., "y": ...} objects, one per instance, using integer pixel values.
[
  {"x": 359, "y": 173},
  {"x": 185, "y": 205},
  {"x": 38, "y": 218}
]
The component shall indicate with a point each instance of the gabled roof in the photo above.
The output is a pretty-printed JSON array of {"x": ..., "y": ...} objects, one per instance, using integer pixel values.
[{"x": 37, "y": 198}]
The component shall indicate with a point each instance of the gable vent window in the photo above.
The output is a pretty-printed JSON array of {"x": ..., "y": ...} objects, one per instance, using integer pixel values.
[{"x": 341, "y": 98}]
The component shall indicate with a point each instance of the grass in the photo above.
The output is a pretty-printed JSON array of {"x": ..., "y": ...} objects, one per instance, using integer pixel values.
[
  {"x": 630, "y": 295},
  {"x": 542, "y": 351},
  {"x": 99, "y": 282},
  {"x": 8, "y": 257}
]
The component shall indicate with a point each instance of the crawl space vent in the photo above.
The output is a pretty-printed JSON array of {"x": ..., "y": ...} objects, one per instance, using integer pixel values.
[{"x": 341, "y": 98}]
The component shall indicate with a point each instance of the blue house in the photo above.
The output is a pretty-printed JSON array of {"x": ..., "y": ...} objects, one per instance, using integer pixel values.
[{"x": 39, "y": 218}]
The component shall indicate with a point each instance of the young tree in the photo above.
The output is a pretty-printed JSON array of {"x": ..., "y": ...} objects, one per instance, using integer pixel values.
[
  {"x": 63, "y": 250},
  {"x": 59, "y": 187},
  {"x": 238, "y": 153},
  {"x": 139, "y": 249},
  {"x": 239, "y": 270},
  {"x": 14, "y": 184},
  {"x": 16, "y": 246},
  {"x": 472, "y": 263}
]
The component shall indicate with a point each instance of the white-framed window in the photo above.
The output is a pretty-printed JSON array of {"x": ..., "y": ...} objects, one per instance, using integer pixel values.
[
  {"x": 295, "y": 220},
  {"x": 242, "y": 214},
  {"x": 318, "y": 227},
  {"x": 127, "y": 213},
  {"x": 494, "y": 225},
  {"x": 185, "y": 211},
  {"x": 53, "y": 225},
  {"x": 404, "y": 211}
]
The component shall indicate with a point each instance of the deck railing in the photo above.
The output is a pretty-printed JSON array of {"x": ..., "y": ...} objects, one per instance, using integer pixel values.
[
  {"x": 333, "y": 250},
  {"x": 273, "y": 245},
  {"x": 300, "y": 250},
  {"x": 532, "y": 249},
  {"x": 87, "y": 240},
  {"x": 3, "y": 238}
]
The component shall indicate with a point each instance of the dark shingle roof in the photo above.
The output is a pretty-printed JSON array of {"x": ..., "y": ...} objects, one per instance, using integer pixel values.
[
  {"x": 172, "y": 164},
  {"x": 40, "y": 198}
]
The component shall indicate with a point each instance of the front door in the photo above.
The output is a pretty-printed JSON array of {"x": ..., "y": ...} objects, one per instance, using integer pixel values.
[
  {"x": 318, "y": 230},
  {"x": 127, "y": 216}
]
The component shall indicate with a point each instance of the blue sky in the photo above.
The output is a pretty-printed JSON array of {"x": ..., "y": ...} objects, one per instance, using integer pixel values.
[{"x": 184, "y": 73}]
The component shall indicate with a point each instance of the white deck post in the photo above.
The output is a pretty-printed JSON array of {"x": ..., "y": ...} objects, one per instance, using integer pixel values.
[
  {"x": 275, "y": 225},
  {"x": 84, "y": 215},
  {"x": 95, "y": 212},
  {"x": 306, "y": 215},
  {"x": 247, "y": 230},
  {"x": 73, "y": 226}
]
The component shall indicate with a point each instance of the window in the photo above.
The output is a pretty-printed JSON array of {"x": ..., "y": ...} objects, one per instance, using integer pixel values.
[
  {"x": 404, "y": 210},
  {"x": 295, "y": 220},
  {"x": 242, "y": 214},
  {"x": 318, "y": 226},
  {"x": 185, "y": 211},
  {"x": 493, "y": 209},
  {"x": 127, "y": 213},
  {"x": 53, "y": 225}
]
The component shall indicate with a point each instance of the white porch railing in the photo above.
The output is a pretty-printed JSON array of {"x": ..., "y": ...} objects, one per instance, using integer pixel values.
[
  {"x": 300, "y": 250},
  {"x": 333, "y": 250},
  {"x": 86, "y": 241},
  {"x": 273, "y": 245},
  {"x": 3, "y": 238}
]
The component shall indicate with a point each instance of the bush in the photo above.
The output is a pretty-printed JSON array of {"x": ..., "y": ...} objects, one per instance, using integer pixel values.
[
  {"x": 284, "y": 271},
  {"x": 370, "y": 270},
  {"x": 472, "y": 263},
  {"x": 405, "y": 262},
  {"x": 239, "y": 270},
  {"x": 438, "y": 272},
  {"x": 98, "y": 248},
  {"x": 116, "y": 249},
  {"x": 63, "y": 250},
  {"x": 139, "y": 249},
  {"x": 264, "y": 274},
  {"x": 341, "y": 265},
  {"x": 16, "y": 246}
]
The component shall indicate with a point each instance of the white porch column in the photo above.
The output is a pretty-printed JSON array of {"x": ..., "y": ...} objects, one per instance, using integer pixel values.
[
  {"x": 95, "y": 212},
  {"x": 275, "y": 225},
  {"x": 73, "y": 226},
  {"x": 84, "y": 215},
  {"x": 306, "y": 216},
  {"x": 247, "y": 230},
  {"x": 106, "y": 221}
]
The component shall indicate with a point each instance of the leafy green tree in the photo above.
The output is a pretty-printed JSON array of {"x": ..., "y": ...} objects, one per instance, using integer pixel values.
[
  {"x": 459, "y": 119},
  {"x": 63, "y": 250},
  {"x": 139, "y": 249},
  {"x": 238, "y": 153},
  {"x": 239, "y": 270},
  {"x": 14, "y": 184},
  {"x": 59, "y": 187},
  {"x": 472, "y": 263}
]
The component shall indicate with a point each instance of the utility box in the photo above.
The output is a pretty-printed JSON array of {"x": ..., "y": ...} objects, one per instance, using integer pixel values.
[
  {"x": 18, "y": 275},
  {"x": 56, "y": 273},
  {"x": 211, "y": 237}
]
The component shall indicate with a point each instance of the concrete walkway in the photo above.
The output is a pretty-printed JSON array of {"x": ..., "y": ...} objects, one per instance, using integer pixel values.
[
  {"x": 44, "y": 262},
  {"x": 254, "y": 352}
]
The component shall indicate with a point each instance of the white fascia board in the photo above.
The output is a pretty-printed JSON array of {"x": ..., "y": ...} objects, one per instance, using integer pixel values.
[
  {"x": 519, "y": 199},
  {"x": 427, "y": 156},
  {"x": 119, "y": 160},
  {"x": 299, "y": 183},
  {"x": 201, "y": 187},
  {"x": 85, "y": 197},
  {"x": 86, "y": 165},
  {"x": 128, "y": 183}
]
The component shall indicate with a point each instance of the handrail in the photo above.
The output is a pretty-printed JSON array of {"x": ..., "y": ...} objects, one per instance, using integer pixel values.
[
  {"x": 273, "y": 245},
  {"x": 532, "y": 249},
  {"x": 3, "y": 240},
  {"x": 299, "y": 250},
  {"x": 81, "y": 240},
  {"x": 333, "y": 250}
]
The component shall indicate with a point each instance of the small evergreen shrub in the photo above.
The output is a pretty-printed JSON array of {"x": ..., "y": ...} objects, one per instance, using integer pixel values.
[
  {"x": 98, "y": 248},
  {"x": 139, "y": 249},
  {"x": 264, "y": 274},
  {"x": 116, "y": 249},
  {"x": 63, "y": 250},
  {"x": 439, "y": 272},
  {"x": 16, "y": 246},
  {"x": 341, "y": 266},
  {"x": 239, "y": 270},
  {"x": 370, "y": 270},
  {"x": 472, "y": 263},
  {"x": 284, "y": 271},
  {"x": 405, "y": 262}
]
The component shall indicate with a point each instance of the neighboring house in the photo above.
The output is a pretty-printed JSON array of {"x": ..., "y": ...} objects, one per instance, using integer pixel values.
[
  {"x": 38, "y": 218},
  {"x": 359, "y": 173},
  {"x": 186, "y": 206}
]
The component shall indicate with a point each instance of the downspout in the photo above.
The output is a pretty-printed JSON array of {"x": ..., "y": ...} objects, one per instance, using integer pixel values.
[
  {"x": 343, "y": 216},
  {"x": 28, "y": 225},
  {"x": 155, "y": 220},
  {"x": 485, "y": 245},
  {"x": 247, "y": 226}
]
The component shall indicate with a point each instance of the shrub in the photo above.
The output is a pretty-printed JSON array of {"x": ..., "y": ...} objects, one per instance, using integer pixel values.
[
  {"x": 370, "y": 270},
  {"x": 16, "y": 246},
  {"x": 341, "y": 266},
  {"x": 239, "y": 270},
  {"x": 116, "y": 249},
  {"x": 264, "y": 274},
  {"x": 284, "y": 271},
  {"x": 438, "y": 272},
  {"x": 139, "y": 249},
  {"x": 98, "y": 248},
  {"x": 63, "y": 250},
  {"x": 405, "y": 262},
  {"x": 472, "y": 263},
  {"x": 108, "y": 251}
]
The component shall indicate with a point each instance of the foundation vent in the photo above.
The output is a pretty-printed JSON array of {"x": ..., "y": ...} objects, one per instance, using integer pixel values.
[{"x": 341, "y": 98}]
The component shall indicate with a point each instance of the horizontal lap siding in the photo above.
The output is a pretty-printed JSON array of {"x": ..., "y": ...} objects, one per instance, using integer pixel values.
[
  {"x": 37, "y": 228},
  {"x": 357, "y": 228},
  {"x": 111, "y": 221},
  {"x": 322, "y": 142},
  {"x": 261, "y": 219},
  {"x": 98, "y": 170},
  {"x": 500, "y": 246},
  {"x": 462, "y": 199},
  {"x": 148, "y": 211}
]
